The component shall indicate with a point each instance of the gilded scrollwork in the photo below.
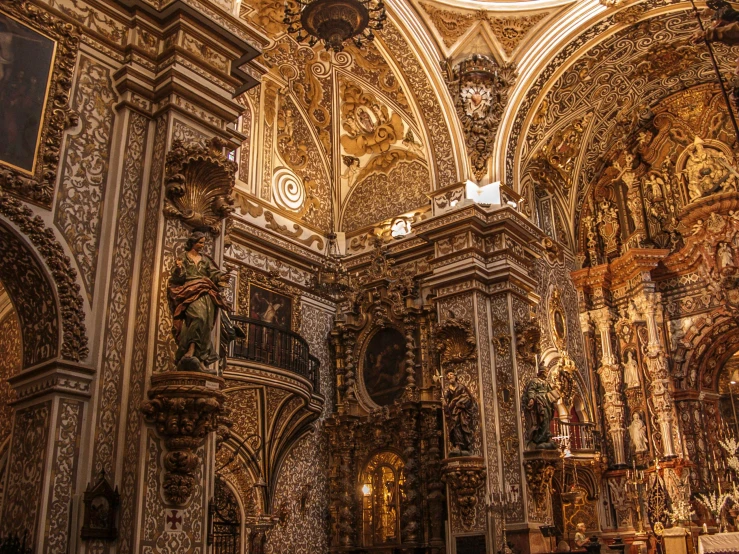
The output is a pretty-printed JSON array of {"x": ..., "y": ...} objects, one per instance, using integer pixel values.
[{"x": 74, "y": 341}]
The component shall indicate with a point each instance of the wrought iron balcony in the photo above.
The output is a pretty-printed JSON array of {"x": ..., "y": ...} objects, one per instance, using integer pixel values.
[
  {"x": 581, "y": 436},
  {"x": 271, "y": 345}
]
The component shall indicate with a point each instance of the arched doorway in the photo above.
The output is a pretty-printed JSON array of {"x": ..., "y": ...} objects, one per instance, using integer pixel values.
[
  {"x": 42, "y": 329},
  {"x": 225, "y": 514},
  {"x": 382, "y": 484}
]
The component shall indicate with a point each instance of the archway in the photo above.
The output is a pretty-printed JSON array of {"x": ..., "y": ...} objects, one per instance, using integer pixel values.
[
  {"x": 42, "y": 321},
  {"x": 381, "y": 486}
]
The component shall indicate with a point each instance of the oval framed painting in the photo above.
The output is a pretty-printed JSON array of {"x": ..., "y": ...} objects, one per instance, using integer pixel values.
[{"x": 383, "y": 372}]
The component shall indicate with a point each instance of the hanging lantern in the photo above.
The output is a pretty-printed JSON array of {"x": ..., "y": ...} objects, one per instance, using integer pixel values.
[{"x": 334, "y": 21}]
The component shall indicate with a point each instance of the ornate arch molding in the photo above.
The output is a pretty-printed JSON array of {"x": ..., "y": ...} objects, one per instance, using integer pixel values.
[
  {"x": 711, "y": 349},
  {"x": 570, "y": 63},
  {"x": 421, "y": 71},
  {"x": 56, "y": 295}
]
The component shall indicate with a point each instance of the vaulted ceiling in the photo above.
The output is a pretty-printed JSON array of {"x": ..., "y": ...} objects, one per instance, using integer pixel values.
[{"x": 377, "y": 129}]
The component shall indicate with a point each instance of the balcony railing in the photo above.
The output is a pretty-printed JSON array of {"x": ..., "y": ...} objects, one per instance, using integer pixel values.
[
  {"x": 581, "y": 436},
  {"x": 271, "y": 345}
]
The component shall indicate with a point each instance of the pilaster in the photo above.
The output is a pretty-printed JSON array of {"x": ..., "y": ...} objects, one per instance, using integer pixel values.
[
  {"x": 52, "y": 402},
  {"x": 483, "y": 274},
  {"x": 612, "y": 381}
]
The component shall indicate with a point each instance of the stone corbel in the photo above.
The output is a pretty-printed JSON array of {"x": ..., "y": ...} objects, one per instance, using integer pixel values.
[
  {"x": 199, "y": 184},
  {"x": 465, "y": 477},
  {"x": 184, "y": 408},
  {"x": 539, "y": 466}
]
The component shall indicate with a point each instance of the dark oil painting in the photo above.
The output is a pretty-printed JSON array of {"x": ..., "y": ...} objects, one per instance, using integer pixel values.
[
  {"x": 25, "y": 66},
  {"x": 383, "y": 369},
  {"x": 270, "y": 307}
]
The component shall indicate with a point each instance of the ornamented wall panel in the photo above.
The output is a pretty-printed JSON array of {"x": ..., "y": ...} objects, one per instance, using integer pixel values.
[
  {"x": 63, "y": 475},
  {"x": 400, "y": 188},
  {"x": 119, "y": 300},
  {"x": 301, "y": 499},
  {"x": 157, "y": 537},
  {"x": 139, "y": 358},
  {"x": 29, "y": 447},
  {"x": 315, "y": 328},
  {"x": 556, "y": 276},
  {"x": 509, "y": 417},
  {"x": 10, "y": 365},
  {"x": 84, "y": 172}
]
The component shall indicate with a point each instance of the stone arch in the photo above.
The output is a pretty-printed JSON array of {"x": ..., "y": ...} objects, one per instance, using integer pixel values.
[
  {"x": 52, "y": 318},
  {"x": 701, "y": 350}
]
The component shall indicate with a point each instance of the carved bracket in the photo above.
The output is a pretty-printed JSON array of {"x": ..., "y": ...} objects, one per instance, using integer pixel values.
[
  {"x": 184, "y": 407},
  {"x": 465, "y": 477},
  {"x": 539, "y": 467},
  {"x": 199, "y": 184}
]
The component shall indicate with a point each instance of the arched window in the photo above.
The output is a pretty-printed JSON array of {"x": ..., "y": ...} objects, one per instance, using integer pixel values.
[{"x": 382, "y": 487}]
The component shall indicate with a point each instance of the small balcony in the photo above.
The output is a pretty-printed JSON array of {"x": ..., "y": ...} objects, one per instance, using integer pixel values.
[
  {"x": 270, "y": 345},
  {"x": 581, "y": 437}
]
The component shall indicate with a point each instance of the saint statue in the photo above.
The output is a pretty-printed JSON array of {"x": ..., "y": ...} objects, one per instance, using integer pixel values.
[
  {"x": 460, "y": 409},
  {"x": 638, "y": 433},
  {"x": 708, "y": 171},
  {"x": 538, "y": 404},
  {"x": 631, "y": 371},
  {"x": 724, "y": 256},
  {"x": 194, "y": 298}
]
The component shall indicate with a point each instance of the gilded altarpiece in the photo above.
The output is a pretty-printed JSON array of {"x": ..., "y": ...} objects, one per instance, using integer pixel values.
[
  {"x": 666, "y": 285},
  {"x": 402, "y": 433}
]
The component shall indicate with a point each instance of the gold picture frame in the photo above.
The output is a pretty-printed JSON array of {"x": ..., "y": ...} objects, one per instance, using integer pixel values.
[
  {"x": 35, "y": 112},
  {"x": 558, "y": 320},
  {"x": 265, "y": 297}
]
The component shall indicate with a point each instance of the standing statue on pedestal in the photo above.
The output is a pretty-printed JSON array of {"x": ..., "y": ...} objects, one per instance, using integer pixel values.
[
  {"x": 194, "y": 298},
  {"x": 638, "y": 434},
  {"x": 460, "y": 409},
  {"x": 538, "y": 404}
]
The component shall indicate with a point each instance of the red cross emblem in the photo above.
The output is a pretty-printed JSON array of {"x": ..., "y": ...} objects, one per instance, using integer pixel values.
[{"x": 174, "y": 519}]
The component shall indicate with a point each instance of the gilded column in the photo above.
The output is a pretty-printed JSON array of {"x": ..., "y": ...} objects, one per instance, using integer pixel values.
[
  {"x": 610, "y": 376},
  {"x": 649, "y": 305}
]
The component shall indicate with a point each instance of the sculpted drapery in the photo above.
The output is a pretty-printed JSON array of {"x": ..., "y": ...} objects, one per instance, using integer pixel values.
[
  {"x": 195, "y": 297},
  {"x": 460, "y": 409}
]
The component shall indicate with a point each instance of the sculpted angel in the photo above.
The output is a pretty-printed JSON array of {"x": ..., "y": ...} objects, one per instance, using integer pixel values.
[{"x": 194, "y": 292}]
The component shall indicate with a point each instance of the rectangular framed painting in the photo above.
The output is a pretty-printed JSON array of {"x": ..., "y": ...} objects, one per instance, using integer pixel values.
[
  {"x": 270, "y": 306},
  {"x": 26, "y": 66}
]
